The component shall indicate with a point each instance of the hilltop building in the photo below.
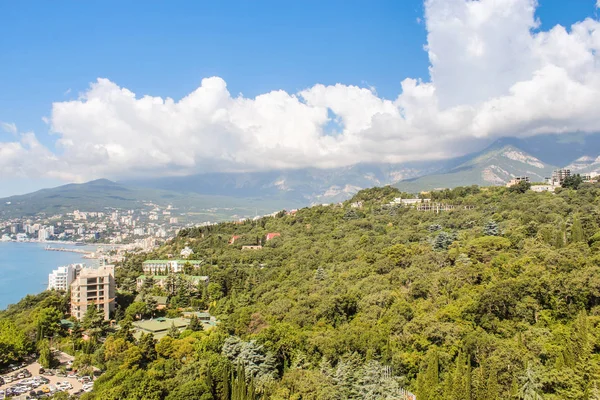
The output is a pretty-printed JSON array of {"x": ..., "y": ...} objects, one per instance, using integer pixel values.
[
  {"x": 256, "y": 247},
  {"x": 558, "y": 176},
  {"x": 93, "y": 286},
  {"x": 162, "y": 267},
  {"x": 161, "y": 280},
  {"x": 62, "y": 277},
  {"x": 409, "y": 202},
  {"x": 186, "y": 252},
  {"x": 515, "y": 181},
  {"x": 543, "y": 188},
  {"x": 273, "y": 235},
  {"x": 159, "y": 327},
  {"x": 234, "y": 238}
]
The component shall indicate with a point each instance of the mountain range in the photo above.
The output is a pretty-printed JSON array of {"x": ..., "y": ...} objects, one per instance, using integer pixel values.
[{"x": 226, "y": 195}]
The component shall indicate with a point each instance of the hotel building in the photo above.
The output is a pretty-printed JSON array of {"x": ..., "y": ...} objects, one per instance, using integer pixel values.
[
  {"x": 94, "y": 286},
  {"x": 62, "y": 277}
]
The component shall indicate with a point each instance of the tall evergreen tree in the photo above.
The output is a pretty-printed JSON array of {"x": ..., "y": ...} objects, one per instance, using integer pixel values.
[
  {"x": 428, "y": 380},
  {"x": 461, "y": 381},
  {"x": 492, "y": 387},
  {"x": 577, "y": 234},
  {"x": 93, "y": 322},
  {"x": 530, "y": 386},
  {"x": 46, "y": 359},
  {"x": 173, "y": 331},
  {"x": 195, "y": 324}
]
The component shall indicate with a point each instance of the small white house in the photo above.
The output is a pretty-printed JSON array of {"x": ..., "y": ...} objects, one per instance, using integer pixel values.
[{"x": 186, "y": 252}]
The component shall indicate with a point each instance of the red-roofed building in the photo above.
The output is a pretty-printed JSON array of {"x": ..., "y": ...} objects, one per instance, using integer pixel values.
[
  {"x": 234, "y": 238},
  {"x": 273, "y": 235}
]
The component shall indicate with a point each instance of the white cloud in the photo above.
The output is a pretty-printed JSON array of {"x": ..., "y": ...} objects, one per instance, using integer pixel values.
[
  {"x": 492, "y": 73},
  {"x": 9, "y": 127},
  {"x": 27, "y": 157}
]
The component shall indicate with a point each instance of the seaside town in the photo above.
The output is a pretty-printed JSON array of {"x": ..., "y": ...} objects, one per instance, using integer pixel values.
[{"x": 142, "y": 228}]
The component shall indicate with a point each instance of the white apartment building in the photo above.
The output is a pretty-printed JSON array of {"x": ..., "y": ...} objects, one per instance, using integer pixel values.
[
  {"x": 94, "y": 286},
  {"x": 62, "y": 277},
  {"x": 43, "y": 235},
  {"x": 164, "y": 267}
]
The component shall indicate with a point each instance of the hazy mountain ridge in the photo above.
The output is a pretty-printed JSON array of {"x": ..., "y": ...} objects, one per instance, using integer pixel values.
[
  {"x": 496, "y": 166},
  {"x": 268, "y": 191},
  {"x": 103, "y": 194}
]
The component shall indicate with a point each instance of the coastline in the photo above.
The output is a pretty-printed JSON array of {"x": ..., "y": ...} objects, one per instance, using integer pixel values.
[
  {"x": 24, "y": 268},
  {"x": 64, "y": 242}
]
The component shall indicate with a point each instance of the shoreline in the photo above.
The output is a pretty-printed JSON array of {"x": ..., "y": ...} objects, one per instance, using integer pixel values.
[
  {"x": 24, "y": 269},
  {"x": 64, "y": 242}
]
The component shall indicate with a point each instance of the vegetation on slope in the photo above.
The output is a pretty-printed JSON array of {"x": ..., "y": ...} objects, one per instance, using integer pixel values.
[{"x": 497, "y": 300}]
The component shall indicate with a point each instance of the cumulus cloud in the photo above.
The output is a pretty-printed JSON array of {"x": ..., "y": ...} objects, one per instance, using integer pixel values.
[
  {"x": 492, "y": 73},
  {"x": 27, "y": 157}
]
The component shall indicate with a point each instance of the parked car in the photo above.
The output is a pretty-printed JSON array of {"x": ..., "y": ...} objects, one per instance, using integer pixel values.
[{"x": 88, "y": 387}]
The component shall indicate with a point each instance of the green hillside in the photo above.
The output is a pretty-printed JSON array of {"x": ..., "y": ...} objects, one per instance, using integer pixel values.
[{"x": 497, "y": 299}]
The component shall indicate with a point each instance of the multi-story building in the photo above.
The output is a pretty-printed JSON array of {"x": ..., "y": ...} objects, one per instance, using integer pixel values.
[
  {"x": 517, "y": 180},
  {"x": 162, "y": 280},
  {"x": 559, "y": 176},
  {"x": 162, "y": 267},
  {"x": 94, "y": 287},
  {"x": 62, "y": 277},
  {"x": 43, "y": 234}
]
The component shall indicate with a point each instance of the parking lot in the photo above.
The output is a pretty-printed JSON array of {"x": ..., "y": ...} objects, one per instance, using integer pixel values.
[{"x": 53, "y": 384}]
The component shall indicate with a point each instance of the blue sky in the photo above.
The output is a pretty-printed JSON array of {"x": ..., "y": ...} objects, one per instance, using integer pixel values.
[
  {"x": 165, "y": 50},
  {"x": 52, "y": 51}
]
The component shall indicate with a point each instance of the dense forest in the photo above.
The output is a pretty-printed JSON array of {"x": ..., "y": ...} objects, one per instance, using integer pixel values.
[{"x": 496, "y": 298}]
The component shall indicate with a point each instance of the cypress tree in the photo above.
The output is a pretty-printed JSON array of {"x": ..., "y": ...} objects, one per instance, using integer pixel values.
[
  {"x": 448, "y": 385},
  {"x": 492, "y": 389},
  {"x": 461, "y": 385},
  {"x": 559, "y": 239},
  {"x": 428, "y": 380},
  {"x": 580, "y": 341},
  {"x": 577, "y": 234}
]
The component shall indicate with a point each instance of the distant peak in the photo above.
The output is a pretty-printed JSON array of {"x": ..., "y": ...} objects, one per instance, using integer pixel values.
[{"x": 101, "y": 181}]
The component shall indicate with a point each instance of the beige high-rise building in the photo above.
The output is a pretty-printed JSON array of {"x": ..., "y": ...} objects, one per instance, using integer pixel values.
[{"x": 93, "y": 286}]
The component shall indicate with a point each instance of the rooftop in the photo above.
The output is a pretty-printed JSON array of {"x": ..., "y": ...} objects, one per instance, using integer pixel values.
[
  {"x": 100, "y": 271},
  {"x": 172, "y": 261},
  {"x": 160, "y": 324},
  {"x": 161, "y": 277}
]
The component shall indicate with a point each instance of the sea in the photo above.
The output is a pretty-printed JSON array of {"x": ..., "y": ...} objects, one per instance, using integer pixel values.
[{"x": 24, "y": 267}]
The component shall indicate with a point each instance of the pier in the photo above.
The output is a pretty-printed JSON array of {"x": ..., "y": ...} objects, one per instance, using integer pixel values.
[{"x": 80, "y": 251}]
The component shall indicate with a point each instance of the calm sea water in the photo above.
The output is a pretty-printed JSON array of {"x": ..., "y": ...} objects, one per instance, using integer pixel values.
[{"x": 24, "y": 268}]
